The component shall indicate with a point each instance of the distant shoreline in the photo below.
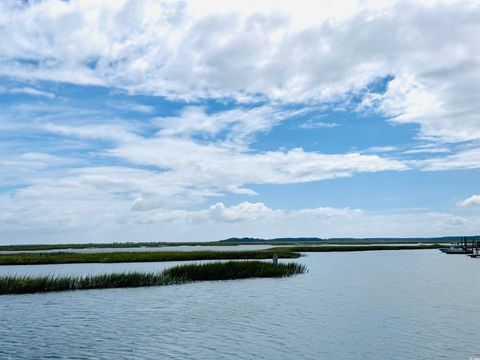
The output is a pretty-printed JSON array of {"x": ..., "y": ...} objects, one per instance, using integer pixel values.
[
  {"x": 39, "y": 258},
  {"x": 235, "y": 242}
]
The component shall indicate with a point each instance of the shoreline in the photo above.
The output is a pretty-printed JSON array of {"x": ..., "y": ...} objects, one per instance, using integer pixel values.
[
  {"x": 290, "y": 252},
  {"x": 223, "y": 243}
]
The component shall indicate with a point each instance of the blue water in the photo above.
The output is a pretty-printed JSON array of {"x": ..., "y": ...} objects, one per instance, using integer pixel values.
[{"x": 361, "y": 305}]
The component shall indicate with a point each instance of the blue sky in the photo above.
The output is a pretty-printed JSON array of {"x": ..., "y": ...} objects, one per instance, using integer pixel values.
[{"x": 171, "y": 121}]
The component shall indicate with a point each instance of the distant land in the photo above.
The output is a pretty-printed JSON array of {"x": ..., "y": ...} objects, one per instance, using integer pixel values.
[
  {"x": 352, "y": 240},
  {"x": 238, "y": 241}
]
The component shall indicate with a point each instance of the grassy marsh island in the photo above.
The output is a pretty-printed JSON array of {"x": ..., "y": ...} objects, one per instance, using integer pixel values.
[
  {"x": 176, "y": 275},
  {"x": 147, "y": 256},
  {"x": 290, "y": 252}
]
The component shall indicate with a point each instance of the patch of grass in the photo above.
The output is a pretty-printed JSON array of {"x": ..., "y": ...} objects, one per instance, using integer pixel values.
[
  {"x": 176, "y": 275},
  {"x": 160, "y": 256},
  {"x": 232, "y": 270},
  {"x": 147, "y": 256}
]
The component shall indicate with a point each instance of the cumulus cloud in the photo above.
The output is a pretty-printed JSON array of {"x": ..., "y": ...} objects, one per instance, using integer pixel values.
[
  {"x": 245, "y": 211},
  {"x": 257, "y": 52},
  {"x": 472, "y": 200}
]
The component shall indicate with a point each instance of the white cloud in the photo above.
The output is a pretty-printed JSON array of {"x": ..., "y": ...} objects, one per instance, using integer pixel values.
[
  {"x": 220, "y": 164},
  {"x": 309, "y": 124},
  {"x": 28, "y": 91},
  {"x": 246, "y": 211},
  {"x": 239, "y": 124},
  {"x": 132, "y": 106},
  {"x": 464, "y": 159},
  {"x": 24, "y": 168},
  {"x": 104, "y": 131},
  {"x": 176, "y": 163},
  {"x": 156, "y": 176},
  {"x": 66, "y": 217},
  {"x": 181, "y": 171},
  {"x": 380, "y": 149},
  {"x": 304, "y": 51},
  {"x": 433, "y": 148},
  {"x": 258, "y": 52},
  {"x": 291, "y": 52},
  {"x": 472, "y": 200}
]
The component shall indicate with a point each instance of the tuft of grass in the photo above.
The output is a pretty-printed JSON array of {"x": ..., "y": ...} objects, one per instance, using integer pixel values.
[
  {"x": 176, "y": 275},
  {"x": 144, "y": 256}
]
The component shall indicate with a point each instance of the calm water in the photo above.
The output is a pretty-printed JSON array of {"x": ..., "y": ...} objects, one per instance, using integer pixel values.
[
  {"x": 365, "y": 305},
  {"x": 151, "y": 248},
  {"x": 190, "y": 248}
]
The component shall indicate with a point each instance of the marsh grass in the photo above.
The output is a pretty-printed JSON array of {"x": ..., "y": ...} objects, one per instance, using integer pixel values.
[
  {"x": 147, "y": 256},
  {"x": 290, "y": 252},
  {"x": 232, "y": 270},
  {"x": 176, "y": 275}
]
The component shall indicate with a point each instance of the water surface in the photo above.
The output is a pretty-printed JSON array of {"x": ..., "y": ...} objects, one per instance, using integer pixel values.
[
  {"x": 147, "y": 248},
  {"x": 357, "y": 305}
]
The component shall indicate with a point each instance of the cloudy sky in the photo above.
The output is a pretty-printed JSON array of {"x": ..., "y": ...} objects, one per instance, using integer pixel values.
[{"x": 201, "y": 120}]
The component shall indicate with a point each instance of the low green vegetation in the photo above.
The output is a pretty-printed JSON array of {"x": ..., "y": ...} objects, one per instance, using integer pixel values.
[
  {"x": 233, "y": 270},
  {"x": 176, "y": 275},
  {"x": 146, "y": 256},
  {"x": 38, "y": 258}
]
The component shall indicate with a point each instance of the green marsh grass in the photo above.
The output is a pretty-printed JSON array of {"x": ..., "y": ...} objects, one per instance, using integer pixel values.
[
  {"x": 233, "y": 270},
  {"x": 177, "y": 275},
  {"x": 291, "y": 252},
  {"x": 146, "y": 256}
]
